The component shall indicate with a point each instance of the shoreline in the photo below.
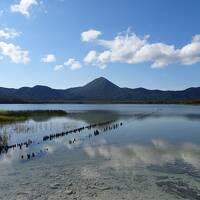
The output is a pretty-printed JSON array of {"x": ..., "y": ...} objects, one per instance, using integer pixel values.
[{"x": 95, "y": 103}]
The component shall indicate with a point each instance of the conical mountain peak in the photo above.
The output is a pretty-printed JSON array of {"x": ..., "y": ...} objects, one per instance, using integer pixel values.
[{"x": 101, "y": 82}]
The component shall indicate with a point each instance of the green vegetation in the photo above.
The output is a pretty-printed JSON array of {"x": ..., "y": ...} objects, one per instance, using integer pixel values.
[{"x": 13, "y": 116}]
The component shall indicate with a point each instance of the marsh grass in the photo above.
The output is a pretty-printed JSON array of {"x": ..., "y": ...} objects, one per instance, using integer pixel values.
[
  {"x": 3, "y": 142},
  {"x": 13, "y": 116}
]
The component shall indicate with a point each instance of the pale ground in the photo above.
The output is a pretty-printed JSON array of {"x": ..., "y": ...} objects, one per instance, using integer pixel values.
[{"x": 73, "y": 175}]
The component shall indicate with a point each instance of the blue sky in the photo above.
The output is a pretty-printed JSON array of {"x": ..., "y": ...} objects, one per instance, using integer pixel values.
[{"x": 66, "y": 43}]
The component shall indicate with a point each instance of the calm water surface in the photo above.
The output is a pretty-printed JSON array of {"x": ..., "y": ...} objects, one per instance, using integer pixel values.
[{"x": 153, "y": 154}]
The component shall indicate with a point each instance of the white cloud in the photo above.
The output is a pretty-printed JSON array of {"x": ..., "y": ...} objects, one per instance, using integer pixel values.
[
  {"x": 90, "y": 35},
  {"x": 15, "y": 53},
  {"x": 24, "y": 6},
  {"x": 49, "y": 58},
  {"x": 196, "y": 38},
  {"x": 58, "y": 67},
  {"x": 73, "y": 64},
  {"x": 95, "y": 59},
  {"x": 190, "y": 53},
  {"x": 91, "y": 57},
  {"x": 159, "y": 54},
  {"x": 8, "y": 33},
  {"x": 132, "y": 49}
]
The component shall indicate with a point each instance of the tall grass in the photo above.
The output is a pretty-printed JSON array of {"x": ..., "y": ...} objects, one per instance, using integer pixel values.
[{"x": 12, "y": 116}]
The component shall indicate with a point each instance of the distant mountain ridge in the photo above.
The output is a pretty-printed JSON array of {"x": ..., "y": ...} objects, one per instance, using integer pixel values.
[{"x": 99, "y": 90}]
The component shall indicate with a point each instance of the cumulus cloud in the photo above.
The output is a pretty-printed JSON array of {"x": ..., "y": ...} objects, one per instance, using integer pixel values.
[
  {"x": 8, "y": 33},
  {"x": 58, "y": 67},
  {"x": 73, "y": 64},
  {"x": 15, "y": 53},
  {"x": 131, "y": 49},
  {"x": 91, "y": 57},
  {"x": 24, "y": 6},
  {"x": 90, "y": 35},
  {"x": 49, "y": 58}
]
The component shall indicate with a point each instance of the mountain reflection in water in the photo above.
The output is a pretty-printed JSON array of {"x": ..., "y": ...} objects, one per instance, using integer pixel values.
[{"x": 154, "y": 154}]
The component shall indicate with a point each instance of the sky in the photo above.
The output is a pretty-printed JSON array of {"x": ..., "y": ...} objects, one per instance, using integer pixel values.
[{"x": 133, "y": 43}]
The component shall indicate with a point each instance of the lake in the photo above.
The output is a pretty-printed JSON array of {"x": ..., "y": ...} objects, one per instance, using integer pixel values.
[{"x": 103, "y": 152}]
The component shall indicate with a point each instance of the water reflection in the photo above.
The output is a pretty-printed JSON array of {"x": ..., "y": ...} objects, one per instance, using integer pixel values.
[
  {"x": 95, "y": 116},
  {"x": 105, "y": 115},
  {"x": 157, "y": 150},
  {"x": 27, "y": 150},
  {"x": 188, "y": 116},
  {"x": 158, "y": 153},
  {"x": 130, "y": 154},
  {"x": 3, "y": 142}
]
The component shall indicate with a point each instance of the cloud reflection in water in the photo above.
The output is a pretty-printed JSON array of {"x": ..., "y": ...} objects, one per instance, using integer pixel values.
[{"x": 159, "y": 152}]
